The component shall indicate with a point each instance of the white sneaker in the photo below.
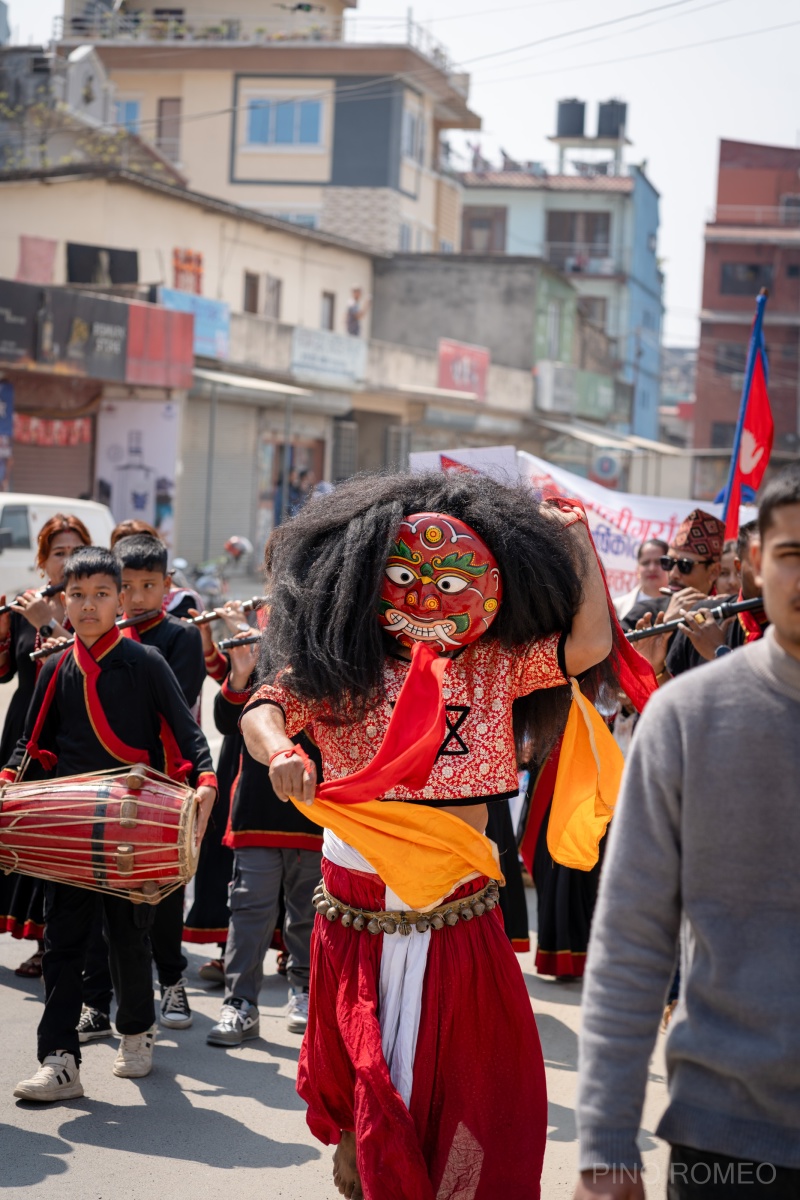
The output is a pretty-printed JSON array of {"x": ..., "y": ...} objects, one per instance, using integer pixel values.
[
  {"x": 297, "y": 1014},
  {"x": 58, "y": 1078},
  {"x": 135, "y": 1057}
]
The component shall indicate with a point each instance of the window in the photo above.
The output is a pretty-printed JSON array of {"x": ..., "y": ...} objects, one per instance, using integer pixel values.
[
  {"x": 484, "y": 230},
  {"x": 722, "y": 433},
  {"x": 790, "y": 210},
  {"x": 272, "y": 299},
  {"x": 404, "y": 240},
  {"x": 328, "y": 310},
  {"x": 284, "y": 122},
  {"x": 413, "y": 136},
  {"x": 128, "y": 114},
  {"x": 101, "y": 265},
  {"x": 446, "y": 247},
  {"x": 250, "y": 292},
  {"x": 554, "y": 330},
  {"x": 168, "y": 128},
  {"x": 187, "y": 271},
  {"x": 576, "y": 238},
  {"x": 793, "y": 271},
  {"x": 15, "y": 518},
  {"x": 744, "y": 279},
  {"x": 730, "y": 358}
]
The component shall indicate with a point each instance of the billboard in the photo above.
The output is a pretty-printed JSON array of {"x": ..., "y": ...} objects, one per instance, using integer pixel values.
[
  {"x": 463, "y": 368},
  {"x": 136, "y": 461},
  {"x": 69, "y": 332}
]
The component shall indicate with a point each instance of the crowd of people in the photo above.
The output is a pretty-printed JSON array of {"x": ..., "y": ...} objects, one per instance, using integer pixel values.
[{"x": 427, "y": 636}]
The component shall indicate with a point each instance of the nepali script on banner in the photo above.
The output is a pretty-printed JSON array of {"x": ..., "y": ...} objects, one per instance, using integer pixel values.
[{"x": 619, "y": 521}]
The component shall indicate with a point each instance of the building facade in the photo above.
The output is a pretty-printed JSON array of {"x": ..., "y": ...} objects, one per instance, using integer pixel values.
[
  {"x": 272, "y": 388},
  {"x": 752, "y": 242},
  {"x": 273, "y": 108},
  {"x": 596, "y": 220}
]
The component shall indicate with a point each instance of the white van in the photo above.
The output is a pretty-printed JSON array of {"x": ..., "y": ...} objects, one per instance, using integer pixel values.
[{"x": 21, "y": 518}]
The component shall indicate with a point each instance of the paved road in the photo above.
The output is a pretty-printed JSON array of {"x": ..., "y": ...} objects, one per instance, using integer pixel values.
[{"x": 214, "y": 1122}]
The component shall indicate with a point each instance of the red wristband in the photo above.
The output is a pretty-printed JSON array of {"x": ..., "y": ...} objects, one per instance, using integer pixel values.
[
  {"x": 278, "y": 753},
  {"x": 297, "y": 751}
]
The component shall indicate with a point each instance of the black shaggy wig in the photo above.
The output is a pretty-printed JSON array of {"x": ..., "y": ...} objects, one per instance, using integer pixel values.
[{"x": 325, "y": 571}]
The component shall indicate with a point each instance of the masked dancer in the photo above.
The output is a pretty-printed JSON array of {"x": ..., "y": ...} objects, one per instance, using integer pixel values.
[{"x": 423, "y": 630}]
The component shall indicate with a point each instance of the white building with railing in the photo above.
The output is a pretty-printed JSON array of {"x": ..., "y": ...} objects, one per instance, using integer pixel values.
[{"x": 306, "y": 112}]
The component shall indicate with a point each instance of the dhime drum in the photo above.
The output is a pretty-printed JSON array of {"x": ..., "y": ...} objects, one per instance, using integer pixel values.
[{"x": 130, "y": 832}]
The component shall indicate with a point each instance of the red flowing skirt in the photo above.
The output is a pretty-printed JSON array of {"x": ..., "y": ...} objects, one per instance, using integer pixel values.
[{"x": 477, "y": 1122}]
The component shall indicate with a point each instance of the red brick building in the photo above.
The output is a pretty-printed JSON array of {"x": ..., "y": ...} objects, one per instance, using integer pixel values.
[{"x": 752, "y": 242}]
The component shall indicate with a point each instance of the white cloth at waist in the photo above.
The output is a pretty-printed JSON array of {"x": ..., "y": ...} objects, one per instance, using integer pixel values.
[{"x": 403, "y": 962}]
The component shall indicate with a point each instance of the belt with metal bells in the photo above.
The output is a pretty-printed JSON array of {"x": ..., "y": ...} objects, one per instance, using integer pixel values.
[{"x": 403, "y": 922}]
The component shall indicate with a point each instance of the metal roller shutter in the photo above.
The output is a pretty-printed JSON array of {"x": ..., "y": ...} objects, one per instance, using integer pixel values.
[
  {"x": 53, "y": 470},
  {"x": 233, "y": 478}
]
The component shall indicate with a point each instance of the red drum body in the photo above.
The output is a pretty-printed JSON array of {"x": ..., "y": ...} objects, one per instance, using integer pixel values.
[{"x": 130, "y": 832}]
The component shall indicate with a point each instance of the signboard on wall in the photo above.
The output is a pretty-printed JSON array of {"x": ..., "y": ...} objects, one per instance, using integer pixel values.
[
  {"x": 463, "y": 368},
  {"x": 136, "y": 461},
  {"x": 212, "y": 320},
  {"x": 77, "y": 333},
  {"x": 328, "y": 359}
]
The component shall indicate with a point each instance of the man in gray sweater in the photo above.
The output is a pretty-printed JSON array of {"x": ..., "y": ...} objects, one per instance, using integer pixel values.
[{"x": 707, "y": 830}]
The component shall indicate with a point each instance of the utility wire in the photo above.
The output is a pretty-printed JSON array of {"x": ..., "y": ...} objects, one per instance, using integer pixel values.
[{"x": 554, "y": 37}]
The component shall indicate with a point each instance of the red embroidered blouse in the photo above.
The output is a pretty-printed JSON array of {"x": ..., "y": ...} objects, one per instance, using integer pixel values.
[{"x": 477, "y": 758}]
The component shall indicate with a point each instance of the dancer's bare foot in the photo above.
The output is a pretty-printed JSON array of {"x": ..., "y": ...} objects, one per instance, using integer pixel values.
[{"x": 345, "y": 1171}]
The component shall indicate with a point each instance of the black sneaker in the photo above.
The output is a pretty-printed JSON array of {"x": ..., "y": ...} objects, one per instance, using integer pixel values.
[
  {"x": 93, "y": 1025},
  {"x": 175, "y": 1011}
]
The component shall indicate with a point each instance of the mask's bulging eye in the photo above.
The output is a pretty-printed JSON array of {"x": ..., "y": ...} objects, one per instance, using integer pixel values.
[
  {"x": 451, "y": 584},
  {"x": 400, "y": 575}
]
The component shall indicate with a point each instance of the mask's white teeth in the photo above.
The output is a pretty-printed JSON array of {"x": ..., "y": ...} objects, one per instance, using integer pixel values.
[{"x": 442, "y": 634}]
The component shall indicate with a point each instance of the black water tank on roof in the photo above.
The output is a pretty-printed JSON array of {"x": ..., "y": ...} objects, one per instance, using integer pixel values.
[
  {"x": 611, "y": 118},
  {"x": 571, "y": 115}
]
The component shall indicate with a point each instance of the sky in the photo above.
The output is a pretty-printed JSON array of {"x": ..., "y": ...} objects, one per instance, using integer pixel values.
[{"x": 682, "y": 98}]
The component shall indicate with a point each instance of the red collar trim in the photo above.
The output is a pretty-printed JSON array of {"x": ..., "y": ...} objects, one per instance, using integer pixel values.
[{"x": 102, "y": 646}]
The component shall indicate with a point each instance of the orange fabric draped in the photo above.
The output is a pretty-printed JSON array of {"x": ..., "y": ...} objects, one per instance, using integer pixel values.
[{"x": 420, "y": 853}]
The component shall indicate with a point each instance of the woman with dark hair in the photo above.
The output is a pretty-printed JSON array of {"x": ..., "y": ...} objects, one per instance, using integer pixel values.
[
  {"x": 651, "y": 577},
  {"x": 33, "y": 618},
  {"x": 423, "y": 629}
]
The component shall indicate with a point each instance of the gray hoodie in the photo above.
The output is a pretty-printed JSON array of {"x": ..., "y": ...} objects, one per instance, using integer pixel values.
[{"x": 708, "y": 827}]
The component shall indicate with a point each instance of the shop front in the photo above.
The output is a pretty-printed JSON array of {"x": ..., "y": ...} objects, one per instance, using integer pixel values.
[{"x": 91, "y": 390}]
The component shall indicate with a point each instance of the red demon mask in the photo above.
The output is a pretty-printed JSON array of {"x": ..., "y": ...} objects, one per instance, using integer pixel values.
[{"x": 442, "y": 583}]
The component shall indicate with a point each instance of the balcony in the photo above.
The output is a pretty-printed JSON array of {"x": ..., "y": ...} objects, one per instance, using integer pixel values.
[
  {"x": 581, "y": 258},
  {"x": 103, "y": 26},
  {"x": 784, "y": 215},
  {"x": 177, "y": 26}
]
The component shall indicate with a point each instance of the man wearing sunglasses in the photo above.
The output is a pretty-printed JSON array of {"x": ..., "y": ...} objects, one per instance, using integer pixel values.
[{"x": 692, "y": 563}]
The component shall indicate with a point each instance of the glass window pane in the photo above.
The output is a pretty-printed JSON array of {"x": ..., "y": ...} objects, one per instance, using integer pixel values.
[
  {"x": 128, "y": 115},
  {"x": 310, "y": 121},
  {"x": 284, "y": 123},
  {"x": 258, "y": 122},
  {"x": 15, "y": 518}
]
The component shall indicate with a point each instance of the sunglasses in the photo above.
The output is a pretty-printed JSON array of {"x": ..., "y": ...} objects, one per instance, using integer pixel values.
[{"x": 684, "y": 565}]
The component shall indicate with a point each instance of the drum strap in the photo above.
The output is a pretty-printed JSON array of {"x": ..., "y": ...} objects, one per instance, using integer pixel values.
[{"x": 46, "y": 757}]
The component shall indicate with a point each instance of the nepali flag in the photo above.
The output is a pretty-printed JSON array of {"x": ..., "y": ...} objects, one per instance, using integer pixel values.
[{"x": 752, "y": 444}]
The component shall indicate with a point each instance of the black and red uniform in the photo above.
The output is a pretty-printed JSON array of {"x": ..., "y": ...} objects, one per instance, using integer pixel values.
[{"x": 111, "y": 705}]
